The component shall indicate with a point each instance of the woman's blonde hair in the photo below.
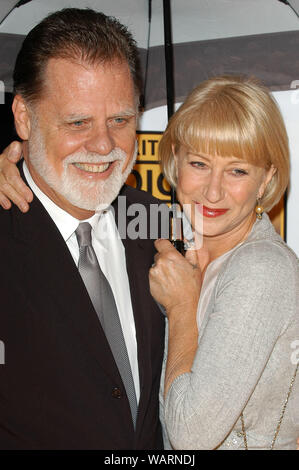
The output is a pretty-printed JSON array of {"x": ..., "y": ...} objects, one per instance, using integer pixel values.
[{"x": 231, "y": 116}]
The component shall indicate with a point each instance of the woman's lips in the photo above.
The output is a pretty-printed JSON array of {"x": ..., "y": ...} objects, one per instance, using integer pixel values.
[{"x": 210, "y": 212}]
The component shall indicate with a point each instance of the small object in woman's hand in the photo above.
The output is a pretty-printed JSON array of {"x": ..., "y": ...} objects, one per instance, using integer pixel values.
[{"x": 179, "y": 246}]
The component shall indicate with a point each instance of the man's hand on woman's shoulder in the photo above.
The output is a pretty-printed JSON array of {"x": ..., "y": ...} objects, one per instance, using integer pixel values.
[{"x": 12, "y": 187}]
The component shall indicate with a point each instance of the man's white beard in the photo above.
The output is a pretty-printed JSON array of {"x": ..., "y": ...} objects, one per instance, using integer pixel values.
[{"x": 82, "y": 193}]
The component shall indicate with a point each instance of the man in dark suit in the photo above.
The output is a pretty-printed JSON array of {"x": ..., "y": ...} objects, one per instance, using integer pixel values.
[{"x": 62, "y": 385}]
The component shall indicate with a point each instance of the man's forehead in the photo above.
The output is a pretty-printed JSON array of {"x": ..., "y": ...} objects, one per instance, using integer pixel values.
[
  {"x": 80, "y": 85},
  {"x": 58, "y": 69}
]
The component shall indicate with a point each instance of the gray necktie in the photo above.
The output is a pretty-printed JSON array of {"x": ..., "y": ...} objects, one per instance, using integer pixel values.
[{"x": 103, "y": 301}]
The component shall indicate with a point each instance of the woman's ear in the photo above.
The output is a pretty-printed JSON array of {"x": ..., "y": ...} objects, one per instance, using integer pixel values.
[
  {"x": 175, "y": 158},
  {"x": 173, "y": 151},
  {"x": 267, "y": 178},
  {"x": 22, "y": 117}
]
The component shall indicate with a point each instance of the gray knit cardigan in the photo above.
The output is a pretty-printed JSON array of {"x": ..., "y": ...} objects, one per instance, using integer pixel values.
[{"x": 248, "y": 348}]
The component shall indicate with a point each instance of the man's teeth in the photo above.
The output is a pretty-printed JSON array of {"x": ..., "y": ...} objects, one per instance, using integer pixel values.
[{"x": 93, "y": 168}]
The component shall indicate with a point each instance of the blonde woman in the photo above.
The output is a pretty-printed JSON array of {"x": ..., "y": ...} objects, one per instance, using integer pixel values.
[{"x": 232, "y": 304}]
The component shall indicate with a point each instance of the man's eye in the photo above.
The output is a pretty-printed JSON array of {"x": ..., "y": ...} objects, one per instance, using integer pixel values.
[
  {"x": 120, "y": 121},
  {"x": 117, "y": 122},
  {"x": 77, "y": 123}
]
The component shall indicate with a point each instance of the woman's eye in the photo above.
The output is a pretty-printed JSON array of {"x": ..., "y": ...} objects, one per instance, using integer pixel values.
[
  {"x": 198, "y": 164},
  {"x": 239, "y": 172}
]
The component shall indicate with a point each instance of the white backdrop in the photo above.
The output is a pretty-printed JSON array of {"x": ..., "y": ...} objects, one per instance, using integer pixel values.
[{"x": 289, "y": 105}]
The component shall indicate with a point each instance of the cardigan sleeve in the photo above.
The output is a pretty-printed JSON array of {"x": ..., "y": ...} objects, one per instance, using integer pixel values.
[{"x": 254, "y": 302}]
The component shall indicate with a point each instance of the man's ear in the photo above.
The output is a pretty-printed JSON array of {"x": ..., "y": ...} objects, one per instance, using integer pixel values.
[{"x": 22, "y": 117}]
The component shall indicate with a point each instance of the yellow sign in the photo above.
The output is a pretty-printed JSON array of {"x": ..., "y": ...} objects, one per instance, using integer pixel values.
[{"x": 147, "y": 174}]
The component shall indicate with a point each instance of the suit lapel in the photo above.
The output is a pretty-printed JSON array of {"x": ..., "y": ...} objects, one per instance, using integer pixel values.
[
  {"x": 138, "y": 280},
  {"x": 138, "y": 261},
  {"x": 53, "y": 284}
]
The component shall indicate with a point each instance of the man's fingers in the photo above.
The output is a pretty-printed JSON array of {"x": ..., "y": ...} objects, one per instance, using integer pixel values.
[
  {"x": 10, "y": 178},
  {"x": 19, "y": 186},
  {"x": 4, "y": 202},
  {"x": 11, "y": 184},
  {"x": 13, "y": 152},
  {"x": 14, "y": 196}
]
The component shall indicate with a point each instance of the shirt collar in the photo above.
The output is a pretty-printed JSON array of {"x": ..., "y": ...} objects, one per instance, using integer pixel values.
[{"x": 65, "y": 222}]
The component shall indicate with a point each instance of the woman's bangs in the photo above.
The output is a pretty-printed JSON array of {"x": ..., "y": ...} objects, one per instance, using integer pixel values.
[{"x": 224, "y": 134}]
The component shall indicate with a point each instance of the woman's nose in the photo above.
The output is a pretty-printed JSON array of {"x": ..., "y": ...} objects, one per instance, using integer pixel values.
[{"x": 214, "y": 190}]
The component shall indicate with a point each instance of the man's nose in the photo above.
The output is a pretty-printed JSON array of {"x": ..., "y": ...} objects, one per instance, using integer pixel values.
[
  {"x": 101, "y": 141},
  {"x": 214, "y": 190}
]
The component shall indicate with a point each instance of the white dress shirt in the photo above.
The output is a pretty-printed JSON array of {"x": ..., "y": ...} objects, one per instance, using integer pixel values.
[{"x": 111, "y": 256}]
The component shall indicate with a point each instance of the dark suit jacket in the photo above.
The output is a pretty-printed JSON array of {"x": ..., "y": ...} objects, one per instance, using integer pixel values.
[{"x": 59, "y": 386}]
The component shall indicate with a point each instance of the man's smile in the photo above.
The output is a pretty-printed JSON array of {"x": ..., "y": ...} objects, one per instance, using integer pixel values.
[{"x": 93, "y": 167}]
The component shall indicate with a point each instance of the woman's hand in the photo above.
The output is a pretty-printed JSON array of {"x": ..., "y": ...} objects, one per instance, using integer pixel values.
[
  {"x": 12, "y": 187},
  {"x": 175, "y": 280}
]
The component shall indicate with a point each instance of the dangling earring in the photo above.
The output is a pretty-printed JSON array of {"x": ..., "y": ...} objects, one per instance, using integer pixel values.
[{"x": 259, "y": 209}]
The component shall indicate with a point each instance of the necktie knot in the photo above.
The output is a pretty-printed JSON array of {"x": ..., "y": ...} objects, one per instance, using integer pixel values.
[{"x": 83, "y": 234}]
